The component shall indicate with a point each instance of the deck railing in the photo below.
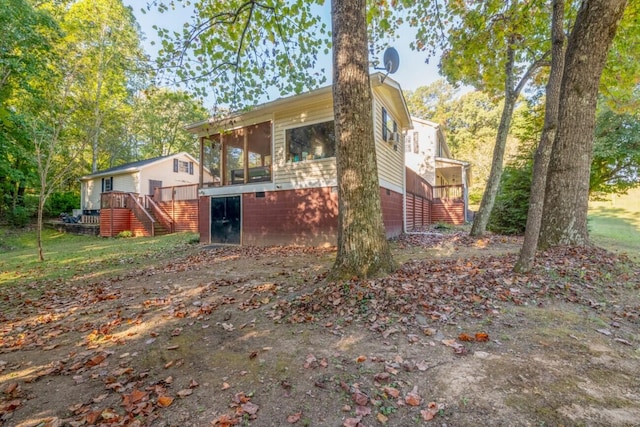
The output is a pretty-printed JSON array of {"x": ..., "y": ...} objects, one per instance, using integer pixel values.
[
  {"x": 448, "y": 192},
  {"x": 180, "y": 192}
]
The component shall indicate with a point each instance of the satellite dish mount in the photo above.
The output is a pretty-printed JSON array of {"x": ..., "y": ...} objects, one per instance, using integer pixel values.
[{"x": 390, "y": 60}]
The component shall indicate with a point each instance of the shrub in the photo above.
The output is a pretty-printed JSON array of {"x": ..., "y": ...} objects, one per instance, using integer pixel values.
[
  {"x": 125, "y": 234},
  {"x": 509, "y": 214},
  {"x": 61, "y": 202},
  {"x": 19, "y": 217}
]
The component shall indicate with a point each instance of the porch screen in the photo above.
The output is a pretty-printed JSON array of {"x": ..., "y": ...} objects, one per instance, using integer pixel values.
[{"x": 311, "y": 142}]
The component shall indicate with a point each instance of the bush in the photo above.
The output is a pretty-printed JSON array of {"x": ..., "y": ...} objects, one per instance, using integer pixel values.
[
  {"x": 509, "y": 214},
  {"x": 61, "y": 202},
  {"x": 19, "y": 217},
  {"x": 125, "y": 234}
]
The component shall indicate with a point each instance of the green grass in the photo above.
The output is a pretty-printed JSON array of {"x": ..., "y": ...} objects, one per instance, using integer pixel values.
[
  {"x": 615, "y": 224},
  {"x": 69, "y": 256}
]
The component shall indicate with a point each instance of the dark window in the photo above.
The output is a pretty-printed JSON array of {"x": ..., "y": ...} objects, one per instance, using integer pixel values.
[
  {"x": 416, "y": 142},
  {"x": 107, "y": 184},
  {"x": 389, "y": 127},
  {"x": 175, "y": 165},
  {"x": 311, "y": 142}
]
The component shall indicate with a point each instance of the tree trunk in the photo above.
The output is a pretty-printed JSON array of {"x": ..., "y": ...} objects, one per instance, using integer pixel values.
[
  {"x": 481, "y": 219},
  {"x": 363, "y": 249},
  {"x": 543, "y": 152},
  {"x": 41, "y": 201},
  {"x": 564, "y": 219}
]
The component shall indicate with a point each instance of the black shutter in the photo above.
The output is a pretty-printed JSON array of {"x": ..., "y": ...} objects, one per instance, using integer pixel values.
[
  {"x": 384, "y": 124},
  {"x": 190, "y": 168},
  {"x": 102, "y": 185},
  {"x": 175, "y": 165}
]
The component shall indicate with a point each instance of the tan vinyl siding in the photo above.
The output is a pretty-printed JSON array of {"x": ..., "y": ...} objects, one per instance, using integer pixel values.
[
  {"x": 307, "y": 173},
  {"x": 127, "y": 183},
  {"x": 390, "y": 162}
]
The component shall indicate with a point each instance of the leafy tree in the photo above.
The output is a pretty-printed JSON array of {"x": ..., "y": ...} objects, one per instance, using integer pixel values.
[
  {"x": 158, "y": 126},
  {"x": 104, "y": 39},
  {"x": 497, "y": 47},
  {"x": 25, "y": 47},
  {"x": 615, "y": 167},
  {"x": 431, "y": 102},
  {"x": 362, "y": 247},
  {"x": 564, "y": 219},
  {"x": 543, "y": 152},
  {"x": 240, "y": 50}
]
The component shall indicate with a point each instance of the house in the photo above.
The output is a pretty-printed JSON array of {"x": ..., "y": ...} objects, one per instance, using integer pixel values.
[
  {"x": 427, "y": 154},
  {"x": 132, "y": 192},
  {"x": 274, "y": 176}
]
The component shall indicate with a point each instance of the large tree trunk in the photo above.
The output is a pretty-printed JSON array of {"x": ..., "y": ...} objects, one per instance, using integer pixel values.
[
  {"x": 363, "y": 250},
  {"x": 543, "y": 152},
  {"x": 564, "y": 219}
]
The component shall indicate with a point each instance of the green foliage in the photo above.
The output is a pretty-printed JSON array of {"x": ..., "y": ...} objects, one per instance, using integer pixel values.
[
  {"x": 19, "y": 216},
  {"x": 125, "y": 234},
  {"x": 61, "y": 202},
  {"x": 509, "y": 214},
  {"x": 237, "y": 51},
  {"x": 615, "y": 166},
  {"x": 432, "y": 102}
]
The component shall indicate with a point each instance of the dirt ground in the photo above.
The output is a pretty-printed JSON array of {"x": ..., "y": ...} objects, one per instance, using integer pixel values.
[{"x": 255, "y": 337}]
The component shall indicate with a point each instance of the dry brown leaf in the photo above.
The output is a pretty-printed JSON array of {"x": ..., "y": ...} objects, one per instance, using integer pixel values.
[
  {"x": 482, "y": 337},
  {"x": 382, "y": 418},
  {"x": 392, "y": 391},
  {"x": 165, "y": 401},
  {"x": 465, "y": 337},
  {"x": 294, "y": 418},
  {"x": 185, "y": 392},
  {"x": 360, "y": 398},
  {"x": 250, "y": 408},
  {"x": 413, "y": 398},
  {"x": 361, "y": 359}
]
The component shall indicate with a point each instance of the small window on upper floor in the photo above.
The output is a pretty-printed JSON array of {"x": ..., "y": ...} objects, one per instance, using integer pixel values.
[
  {"x": 389, "y": 127},
  {"x": 182, "y": 166},
  {"x": 416, "y": 142}
]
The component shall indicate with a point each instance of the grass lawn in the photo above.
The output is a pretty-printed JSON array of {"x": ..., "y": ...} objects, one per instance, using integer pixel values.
[
  {"x": 71, "y": 256},
  {"x": 615, "y": 224}
]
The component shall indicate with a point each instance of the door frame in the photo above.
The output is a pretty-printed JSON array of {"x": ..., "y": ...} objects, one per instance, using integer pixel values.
[{"x": 225, "y": 196}]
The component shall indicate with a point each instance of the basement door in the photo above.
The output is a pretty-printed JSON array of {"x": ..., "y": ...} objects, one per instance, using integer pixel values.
[{"x": 225, "y": 220}]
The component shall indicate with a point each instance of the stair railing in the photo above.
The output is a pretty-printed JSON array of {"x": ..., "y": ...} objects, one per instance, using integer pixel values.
[
  {"x": 159, "y": 213},
  {"x": 141, "y": 213}
]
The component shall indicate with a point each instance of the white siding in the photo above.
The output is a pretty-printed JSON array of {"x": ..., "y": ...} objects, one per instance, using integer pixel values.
[
  {"x": 390, "y": 160},
  {"x": 306, "y": 173},
  {"x": 91, "y": 190},
  {"x": 163, "y": 171},
  {"x": 128, "y": 183}
]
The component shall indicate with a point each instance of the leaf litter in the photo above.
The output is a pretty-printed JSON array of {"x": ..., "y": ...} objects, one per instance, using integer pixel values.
[{"x": 429, "y": 296}]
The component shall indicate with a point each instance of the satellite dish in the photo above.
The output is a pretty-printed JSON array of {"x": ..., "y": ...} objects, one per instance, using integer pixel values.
[{"x": 391, "y": 60}]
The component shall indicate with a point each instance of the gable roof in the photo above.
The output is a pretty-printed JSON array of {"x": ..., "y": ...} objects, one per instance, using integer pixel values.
[
  {"x": 135, "y": 166},
  {"x": 379, "y": 82}
]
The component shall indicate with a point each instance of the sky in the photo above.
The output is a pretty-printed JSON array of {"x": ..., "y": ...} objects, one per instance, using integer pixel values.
[{"x": 412, "y": 73}]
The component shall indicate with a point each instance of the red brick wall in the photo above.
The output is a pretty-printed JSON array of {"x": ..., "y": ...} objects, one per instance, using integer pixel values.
[
  {"x": 303, "y": 217},
  {"x": 451, "y": 212},
  {"x": 391, "y": 203},
  {"x": 204, "y": 220}
]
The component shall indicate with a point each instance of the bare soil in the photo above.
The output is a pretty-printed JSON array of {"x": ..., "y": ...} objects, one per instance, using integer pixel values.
[{"x": 256, "y": 337}]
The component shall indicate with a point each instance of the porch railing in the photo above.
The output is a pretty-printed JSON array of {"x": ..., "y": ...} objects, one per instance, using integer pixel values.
[{"x": 448, "y": 192}]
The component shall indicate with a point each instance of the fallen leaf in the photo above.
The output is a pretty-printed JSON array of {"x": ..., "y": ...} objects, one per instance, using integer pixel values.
[
  {"x": 361, "y": 359},
  {"x": 185, "y": 392},
  {"x": 294, "y": 418},
  {"x": 225, "y": 386},
  {"x": 482, "y": 337},
  {"x": 360, "y": 398},
  {"x": 413, "y": 398},
  {"x": 382, "y": 418},
  {"x": 165, "y": 401},
  {"x": 465, "y": 337},
  {"x": 351, "y": 422},
  {"x": 250, "y": 408},
  {"x": 392, "y": 391}
]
